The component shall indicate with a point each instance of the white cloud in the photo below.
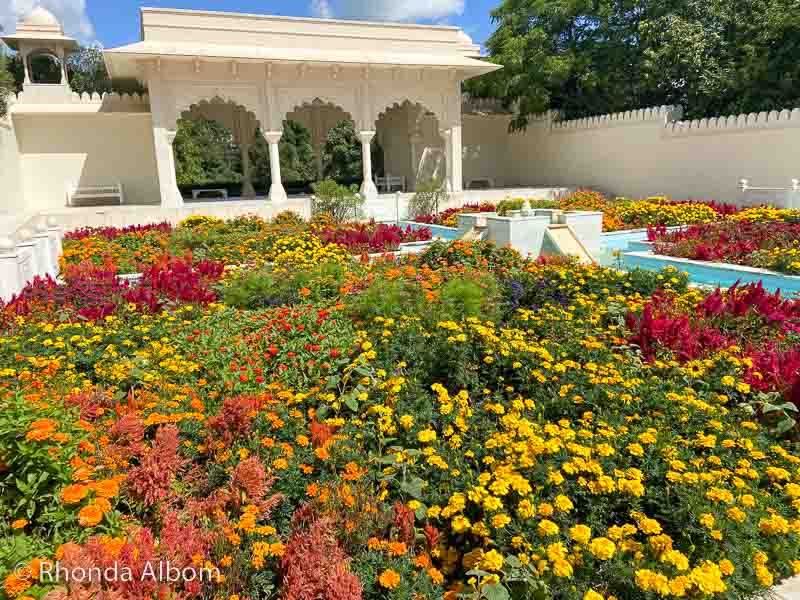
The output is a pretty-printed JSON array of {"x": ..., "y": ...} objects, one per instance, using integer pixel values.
[
  {"x": 388, "y": 10},
  {"x": 321, "y": 8},
  {"x": 71, "y": 13}
]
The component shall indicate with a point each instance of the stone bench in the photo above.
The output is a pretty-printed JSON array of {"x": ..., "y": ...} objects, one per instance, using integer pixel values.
[
  {"x": 221, "y": 192},
  {"x": 95, "y": 195}
]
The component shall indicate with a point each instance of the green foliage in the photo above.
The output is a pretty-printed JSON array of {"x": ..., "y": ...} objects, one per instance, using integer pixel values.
[
  {"x": 341, "y": 203},
  {"x": 205, "y": 152},
  {"x": 264, "y": 288},
  {"x": 712, "y": 57},
  {"x": 427, "y": 199},
  {"x": 341, "y": 157},
  {"x": 32, "y": 476},
  {"x": 87, "y": 71},
  {"x": 6, "y": 84}
]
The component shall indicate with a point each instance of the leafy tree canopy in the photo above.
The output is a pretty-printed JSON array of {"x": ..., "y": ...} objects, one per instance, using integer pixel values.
[
  {"x": 341, "y": 156},
  {"x": 6, "y": 85},
  {"x": 601, "y": 56}
]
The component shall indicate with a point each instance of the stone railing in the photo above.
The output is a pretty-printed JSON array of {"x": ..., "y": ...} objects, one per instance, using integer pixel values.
[
  {"x": 106, "y": 102},
  {"x": 28, "y": 249}
]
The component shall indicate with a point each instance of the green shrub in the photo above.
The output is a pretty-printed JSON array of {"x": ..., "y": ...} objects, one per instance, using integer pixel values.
[{"x": 340, "y": 202}]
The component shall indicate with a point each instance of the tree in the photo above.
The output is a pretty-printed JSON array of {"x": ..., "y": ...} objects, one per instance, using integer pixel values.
[
  {"x": 341, "y": 156},
  {"x": 205, "y": 152},
  {"x": 591, "y": 57},
  {"x": 87, "y": 71},
  {"x": 6, "y": 84}
]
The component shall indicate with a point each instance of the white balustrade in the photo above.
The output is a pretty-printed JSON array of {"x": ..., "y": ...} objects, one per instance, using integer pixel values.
[
  {"x": 788, "y": 197},
  {"x": 28, "y": 251}
]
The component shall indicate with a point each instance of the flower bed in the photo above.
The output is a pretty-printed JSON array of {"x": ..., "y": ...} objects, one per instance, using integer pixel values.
[
  {"x": 244, "y": 240},
  {"x": 619, "y": 214},
  {"x": 373, "y": 238},
  {"x": 742, "y": 241},
  {"x": 463, "y": 422}
]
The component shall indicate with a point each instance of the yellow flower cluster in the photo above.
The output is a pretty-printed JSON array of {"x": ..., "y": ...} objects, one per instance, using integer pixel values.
[
  {"x": 764, "y": 214},
  {"x": 303, "y": 251},
  {"x": 655, "y": 211}
]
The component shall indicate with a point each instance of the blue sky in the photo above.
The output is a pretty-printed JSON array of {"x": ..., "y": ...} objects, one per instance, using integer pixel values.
[{"x": 116, "y": 22}]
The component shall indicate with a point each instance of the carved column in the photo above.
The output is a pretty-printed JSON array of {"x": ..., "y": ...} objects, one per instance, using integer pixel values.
[
  {"x": 447, "y": 136},
  {"x": 170, "y": 194},
  {"x": 368, "y": 184},
  {"x": 276, "y": 192},
  {"x": 162, "y": 105},
  {"x": 454, "y": 158}
]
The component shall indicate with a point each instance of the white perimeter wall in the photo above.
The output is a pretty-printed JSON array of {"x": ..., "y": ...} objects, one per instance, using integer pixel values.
[
  {"x": 85, "y": 149},
  {"x": 634, "y": 154},
  {"x": 649, "y": 152}
]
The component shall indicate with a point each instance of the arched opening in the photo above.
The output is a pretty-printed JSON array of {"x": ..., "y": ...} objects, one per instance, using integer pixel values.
[
  {"x": 335, "y": 145},
  {"x": 44, "y": 67},
  {"x": 213, "y": 150},
  {"x": 414, "y": 150}
]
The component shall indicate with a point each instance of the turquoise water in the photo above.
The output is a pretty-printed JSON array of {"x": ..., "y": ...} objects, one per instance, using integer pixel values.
[
  {"x": 446, "y": 233},
  {"x": 616, "y": 244}
]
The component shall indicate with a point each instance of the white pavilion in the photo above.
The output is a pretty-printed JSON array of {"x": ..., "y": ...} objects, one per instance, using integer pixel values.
[{"x": 250, "y": 72}]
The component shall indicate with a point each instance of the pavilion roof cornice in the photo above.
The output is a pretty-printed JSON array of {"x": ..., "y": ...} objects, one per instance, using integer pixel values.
[
  {"x": 179, "y": 34},
  {"x": 124, "y": 62}
]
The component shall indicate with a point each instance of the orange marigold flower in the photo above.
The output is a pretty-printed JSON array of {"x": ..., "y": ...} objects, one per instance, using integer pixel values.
[
  {"x": 89, "y": 516},
  {"x": 397, "y": 548},
  {"x": 38, "y": 435},
  {"x": 436, "y": 576},
  {"x": 19, "y": 524},
  {"x": 81, "y": 474},
  {"x": 72, "y": 494},
  {"x": 17, "y": 582},
  {"x": 389, "y": 579},
  {"x": 107, "y": 488},
  {"x": 103, "y": 504}
]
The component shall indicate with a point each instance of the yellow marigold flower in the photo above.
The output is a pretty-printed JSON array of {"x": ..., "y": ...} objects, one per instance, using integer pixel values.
[
  {"x": 581, "y": 534},
  {"x": 492, "y": 561},
  {"x": 406, "y": 422},
  {"x": 726, "y": 567},
  {"x": 427, "y": 435},
  {"x": 563, "y": 503},
  {"x": 562, "y": 568},
  {"x": 592, "y": 595},
  {"x": 389, "y": 579},
  {"x": 460, "y": 524},
  {"x": 547, "y": 528},
  {"x": 602, "y": 548},
  {"x": 736, "y": 514},
  {"x": 499, "y": 521},
  {"x": 707, "y": 520}
]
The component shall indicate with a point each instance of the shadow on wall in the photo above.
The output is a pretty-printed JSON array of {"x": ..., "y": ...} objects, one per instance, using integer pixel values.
[{"x": 86, "y": 150}]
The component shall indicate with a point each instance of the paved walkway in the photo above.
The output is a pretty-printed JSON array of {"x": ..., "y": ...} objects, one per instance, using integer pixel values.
[{"x": 789, "y": 590}]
